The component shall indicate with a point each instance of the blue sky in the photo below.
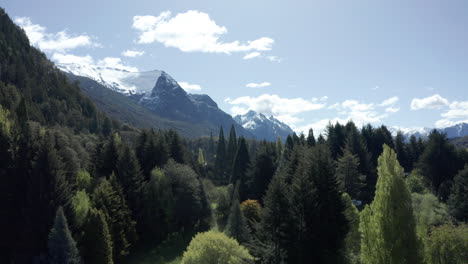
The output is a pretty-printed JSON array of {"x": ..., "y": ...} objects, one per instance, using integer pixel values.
[{"x": 401, "y": 63}]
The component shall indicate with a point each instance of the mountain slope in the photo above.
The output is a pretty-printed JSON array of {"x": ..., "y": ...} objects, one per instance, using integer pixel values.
[
  {"x": 166, "y": 106},
  {"x": 263, "y": 127}
]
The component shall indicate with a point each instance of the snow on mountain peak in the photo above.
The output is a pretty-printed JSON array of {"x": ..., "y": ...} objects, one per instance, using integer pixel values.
[{"x": 121, "y": 80}]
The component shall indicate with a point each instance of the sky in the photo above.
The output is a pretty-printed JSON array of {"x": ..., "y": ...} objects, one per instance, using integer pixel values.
[{"x": 399, "y": 63}]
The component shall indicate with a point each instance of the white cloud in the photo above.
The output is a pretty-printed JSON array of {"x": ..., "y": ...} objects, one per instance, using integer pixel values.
[
  {"x": 443, "y": 123},
  {"x": 258, "y": 85},
  {"x": 192, "y": 31},
  {"x": 284, "y": 109},
  {"x": 457, "y": 110},
  {"x": 190, "y": 87},
  {"x": 390, "y": 101},
  {"x": 274, "y": 58},
  {"x": 72, "y": 59},
  {"x": 113, "y": 62},
  {"x": 457, "y": 113},
  {"x": 132, "y": 53},
  {"x": 432, "y": 102},
  {"x": 349, "y": 110},
  {"x": 107, "y": 62},
  {"x": 392, "y": 109},
  {"x": 60, "y": 41},
  {"x": 252, "y": 55}
]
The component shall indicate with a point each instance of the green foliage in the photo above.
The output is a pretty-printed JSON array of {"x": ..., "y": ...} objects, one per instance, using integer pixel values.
[
  {"x": 239, "y": 169},
  {"x": 275, "y": 215},
  {"x": 387, "y": 226},
  {"x": 129, "y": 175},
  {"x": 458, "y": 201},
  {"x": 237, "y": 226},
  {"x": 201, "y": 158},
  {"x": 353, "y": 238},
  {"x": 214, "y": 247},
  {"x": 221, "y": 161},
  {"x": 351, "y": 181},
  {"x": 81, "y": 206},
  {"x": 158, "y": 201},
  {"x": 62, "y": 247},
  {"x": 84, "y": 180},
  {"x": 262, "y": 170},
  {"x": 448, "y": 244},
  {"x": 428, "y": 212},
  {"x": 223, "y": 206},
  {"x": 108, "y": 198},
  {"x": 439, "y": 163},
  {"x": 96, "y": 240},
  {"x": 416, "y": 182},
  {"x": 231, "y": 149}
]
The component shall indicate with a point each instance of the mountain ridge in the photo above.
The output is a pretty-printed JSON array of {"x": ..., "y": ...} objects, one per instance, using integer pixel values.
[{"x": 264, "y": 127}]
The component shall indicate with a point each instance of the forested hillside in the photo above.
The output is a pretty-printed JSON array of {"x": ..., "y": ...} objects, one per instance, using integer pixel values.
[{"x": 78, "y": 187}]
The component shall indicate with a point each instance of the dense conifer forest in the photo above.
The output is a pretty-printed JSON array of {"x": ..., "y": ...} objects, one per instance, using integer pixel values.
[{"x": 79, "y": 187}]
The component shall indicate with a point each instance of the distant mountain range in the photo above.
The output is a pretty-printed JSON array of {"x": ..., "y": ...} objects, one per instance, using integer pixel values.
[
  {"x": 264, "y": 127},
  {"x": 458, "y": 130},
  {"x": 155, "y": 99}
]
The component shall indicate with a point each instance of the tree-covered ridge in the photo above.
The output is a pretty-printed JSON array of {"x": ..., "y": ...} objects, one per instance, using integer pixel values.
[{"x": 26, "y": 74}]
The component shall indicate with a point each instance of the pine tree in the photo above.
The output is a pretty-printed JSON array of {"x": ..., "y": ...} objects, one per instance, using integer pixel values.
[
  {"x": 439, "y": 163},
  {"x": 231, "y": 148},
  {"x": 47, "y": 189},
  {"x": 261, "y": 172},
  {"x": 220, "y": 162},
  {"x": 237, "y": 226},
  {"x": 129, "y": 175},
  {"x": 108, "y": 197},
  {"x": 388, "y": 227},
  {"x": 311, "y": 138},
  {"x": 240, "y": 168},
  {"x": 96, "y": 240},
  {"x": 62, "y": 247},
  {"x": 276, "y": 216},
  {"x": 347, "y": 172},
  {"x": 176, "y": 149},
  {"x": 400, "y": 149}
]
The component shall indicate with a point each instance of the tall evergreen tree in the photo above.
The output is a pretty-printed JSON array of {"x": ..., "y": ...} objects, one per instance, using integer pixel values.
[
  {"x": 239, "y": 170},
  {"x": 387, "y": 226},
  {"x": 109, "y": 198},
  {"x": 220, "y": 162},
  {"x": 401, "y": 151},
  {"x": 231, "y": 148},
  {"x": 62, "y": 247},
  {"x": 347, "y": 172},
  {"x": 176, "y": 148},
  {"x": 261, "y": 172},
  {"x": 311, "y": 138},
  {"x": 237, "y": 226},
  {"x": 96, "y": 240},
  {"x": 276, "y": 216},
  {"x": 47, "y": 190},
  {"x": 439, "y": 163},
  {"x": 129, "y": 175}
]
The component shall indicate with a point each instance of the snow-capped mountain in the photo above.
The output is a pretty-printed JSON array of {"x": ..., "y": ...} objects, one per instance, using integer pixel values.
[
  {"x": 156, "y": 91},
  {"x": 120, "y": 80},
  {"x": 263, "y": 127},
  {"x": 458, "y": 130}
]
